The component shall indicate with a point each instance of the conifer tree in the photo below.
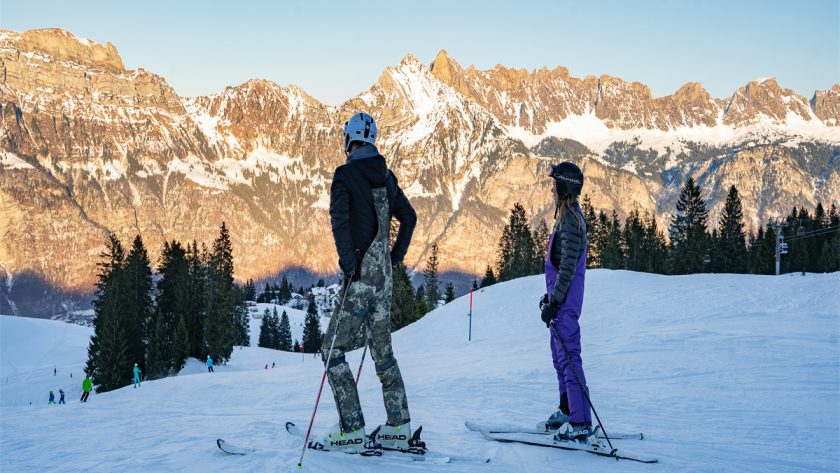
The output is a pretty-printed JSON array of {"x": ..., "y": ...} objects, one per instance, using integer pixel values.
[
  {"x": 250, "y": 290},
  {"x": 312, "y": 331},
  {"x": 219, "y": 330},
  {"x": 592, "y": 249},
  {"x": 242, "y": 321},
  {"x": 181, "y": 349},
  {"x": 829, "y": 260},
  {"x": 450, "y": 293},
  {"x": 284, "y": 292},
  {"x": 420, "y": 302},
  {"x": 160, "y": 355},
  {"x": 633, "y": 240},
  {"x": 138, "y": 304},
  {"x": 431, "y": 274},
  {"x": 265, "y": 330},
  {"x": 475, "y": 285},
  {"x": 296, "y": 347},
  {"x": 284, "y": 333},
  {"x": 403, "y": 304},
  {"x": 689, "y": 238},
  {"x": 763, "y": 251},
  {"x": 515, "y": 255},
  {"x": 654, "y": 246},
  {"x": 173, "y": 294},
  {"x": 613, "y": 251},
  {"x": 489, "y": 278},
  {"x": 540, "y": 239},
  {"x": 196, "y": 305},
  {"x": 731, "y": 245},
  {"x": 109, "y": 364},
  {"x": 274, "y": 329},
  {"x": 598, "y": 237},
  {"x": 264, "y": 295}
]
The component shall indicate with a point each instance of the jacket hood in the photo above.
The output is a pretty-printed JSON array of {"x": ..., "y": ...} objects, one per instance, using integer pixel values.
[{"x": 368, "y": 160}]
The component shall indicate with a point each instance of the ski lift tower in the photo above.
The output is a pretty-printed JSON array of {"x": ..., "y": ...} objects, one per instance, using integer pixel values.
[{"x": 781, "y": 246}]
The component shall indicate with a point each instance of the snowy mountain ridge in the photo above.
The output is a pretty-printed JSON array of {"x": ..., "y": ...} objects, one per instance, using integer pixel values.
[{"x": 88, "y": 147}]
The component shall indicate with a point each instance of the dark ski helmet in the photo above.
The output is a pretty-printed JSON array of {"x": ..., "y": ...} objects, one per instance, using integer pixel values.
[{"x": 568, "y": 179}]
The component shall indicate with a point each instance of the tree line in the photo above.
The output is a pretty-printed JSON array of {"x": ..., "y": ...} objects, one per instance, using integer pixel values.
[
  {"x": 189, "y": 307},
  {"x": 694, "y": 245}
]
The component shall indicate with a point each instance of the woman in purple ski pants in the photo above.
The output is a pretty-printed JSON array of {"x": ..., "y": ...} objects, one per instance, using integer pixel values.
[{"x": 565, "y": 271}]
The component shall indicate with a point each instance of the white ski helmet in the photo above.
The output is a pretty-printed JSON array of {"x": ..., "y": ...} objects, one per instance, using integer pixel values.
[{"x": 360, "y": 127}]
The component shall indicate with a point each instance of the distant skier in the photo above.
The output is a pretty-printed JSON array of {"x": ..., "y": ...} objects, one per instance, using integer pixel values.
[
  {"x": 61, "y": 396},
  {"x": 87, "y": 385},
  {"x": 136, "y": 376},
  {"x": 55, "y": 371},
  {"x": 363, "y": 198},
  {"x": 272, "y": 365},
  {"x": 565, "y": 271},
  {"x": 52, "y": 398},
  {"x": 210, "y": 364}
]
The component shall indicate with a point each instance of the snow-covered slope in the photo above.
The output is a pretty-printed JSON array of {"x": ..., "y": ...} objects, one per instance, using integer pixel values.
[
  {"x": 39, "y": 355},
  {"x": 721, "y": 373}
]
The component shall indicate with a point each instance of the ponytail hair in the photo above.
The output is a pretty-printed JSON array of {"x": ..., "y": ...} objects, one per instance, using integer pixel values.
[{"x": 567, "y": 204}]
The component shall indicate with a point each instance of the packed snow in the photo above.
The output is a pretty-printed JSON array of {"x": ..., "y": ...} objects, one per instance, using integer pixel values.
[{"x": 725, "y": 373}]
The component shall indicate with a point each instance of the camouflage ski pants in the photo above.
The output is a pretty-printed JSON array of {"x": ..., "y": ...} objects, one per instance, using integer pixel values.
[{"x": 367, "y": 304}]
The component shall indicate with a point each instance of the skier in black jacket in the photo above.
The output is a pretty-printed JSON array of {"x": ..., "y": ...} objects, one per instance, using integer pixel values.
[
  {"x": 352, "y": 211},
  {"x": 363, "y": 198}
]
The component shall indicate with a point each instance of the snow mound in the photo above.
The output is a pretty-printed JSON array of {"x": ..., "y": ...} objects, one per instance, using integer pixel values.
[{"x": 723, "y": 373}]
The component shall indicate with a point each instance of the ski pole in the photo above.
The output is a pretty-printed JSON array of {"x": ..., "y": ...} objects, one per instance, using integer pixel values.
[
  {"x": 326, "y": 367},
  {"x": 585, "y": 394},
  {"x": 364, "y": 352}
]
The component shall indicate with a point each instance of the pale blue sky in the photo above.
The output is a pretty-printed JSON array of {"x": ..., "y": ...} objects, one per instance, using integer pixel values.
[{"x": 334, "y": 50}]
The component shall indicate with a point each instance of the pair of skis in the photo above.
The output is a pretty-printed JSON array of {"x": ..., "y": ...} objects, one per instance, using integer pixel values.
[
  {"x": 544, "y": 438},
  {"x": 397, "y": 455}
]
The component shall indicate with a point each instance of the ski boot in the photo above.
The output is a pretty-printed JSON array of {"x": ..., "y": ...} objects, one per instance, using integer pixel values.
[
  {"x": 576, "y": 433},
  {"x": 555, "y": 421},
  {"x": 348, "y": 442},
  {"x": 400, "y": 438}
]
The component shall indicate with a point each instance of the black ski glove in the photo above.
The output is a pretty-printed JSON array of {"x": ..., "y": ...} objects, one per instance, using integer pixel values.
[{"x": 548, "y": 306}]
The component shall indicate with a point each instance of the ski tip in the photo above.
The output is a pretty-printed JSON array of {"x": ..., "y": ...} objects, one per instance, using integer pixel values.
[{"x": 289, "y": 425}]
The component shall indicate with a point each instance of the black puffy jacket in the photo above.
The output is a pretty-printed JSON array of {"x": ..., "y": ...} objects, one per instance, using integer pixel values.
[
  {"x": 353, "y": 215},
  {"x": 567, "y": 248}
]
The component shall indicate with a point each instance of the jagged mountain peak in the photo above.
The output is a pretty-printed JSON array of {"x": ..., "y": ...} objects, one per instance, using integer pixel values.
[
  {"x": 826, "y": 105},
  {"x": 445, "y": 65},
  {"x": 692, "y": 91},
  {"x": 65, "y": 46},
  {"x": 410, "y": 60},
  {"x": 763, "y": 99}
]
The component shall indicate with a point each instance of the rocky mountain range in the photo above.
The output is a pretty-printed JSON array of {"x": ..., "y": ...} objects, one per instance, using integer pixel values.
[{"x": 88, "y": 147}]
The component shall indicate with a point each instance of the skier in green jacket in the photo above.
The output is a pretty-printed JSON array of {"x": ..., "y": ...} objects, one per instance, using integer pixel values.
[{"x": 87, "y": 386}]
